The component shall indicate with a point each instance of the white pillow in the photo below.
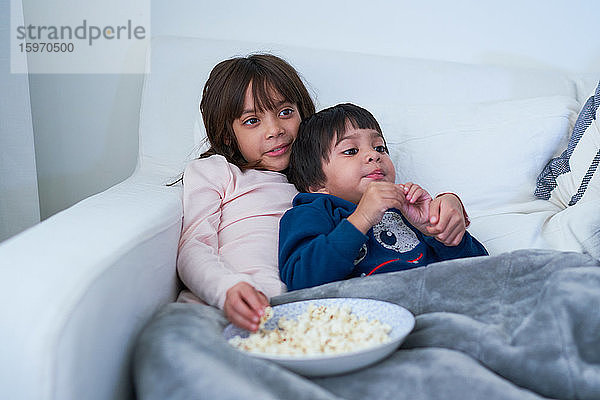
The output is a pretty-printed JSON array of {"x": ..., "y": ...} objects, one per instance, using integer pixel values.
[
  {"x": 573, "y": 176},
  {"x": 488, "y": 153}
]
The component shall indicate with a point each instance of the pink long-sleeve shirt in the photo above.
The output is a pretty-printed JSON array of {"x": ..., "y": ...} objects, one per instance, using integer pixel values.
[{"x": 230, "y": 229}]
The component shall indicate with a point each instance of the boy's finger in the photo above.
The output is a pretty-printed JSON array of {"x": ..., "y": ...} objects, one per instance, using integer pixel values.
[
  {"x": 395, "y": 203},
  {"x": 432, "y": 230},
  {"x": 398, "y": 191},
  {"x": 412, "y": 193},
  {"x": 406, "y": 187}
]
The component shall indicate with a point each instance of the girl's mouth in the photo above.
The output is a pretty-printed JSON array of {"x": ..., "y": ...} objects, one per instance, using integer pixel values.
[{"x": 278, "y": 150}]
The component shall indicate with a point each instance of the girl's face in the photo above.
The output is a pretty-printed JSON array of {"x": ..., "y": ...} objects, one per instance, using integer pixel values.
[{"x": 265, "y": 138}]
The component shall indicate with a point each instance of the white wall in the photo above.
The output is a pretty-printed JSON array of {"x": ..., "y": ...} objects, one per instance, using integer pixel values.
[
  {"x": 19, "y": 206},
  {"x": 86, "y": 125},
  {"x": 559, "y": 34}
]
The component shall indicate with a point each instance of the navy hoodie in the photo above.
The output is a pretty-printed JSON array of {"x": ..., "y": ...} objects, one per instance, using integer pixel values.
[{"x": 318, "y": 245}]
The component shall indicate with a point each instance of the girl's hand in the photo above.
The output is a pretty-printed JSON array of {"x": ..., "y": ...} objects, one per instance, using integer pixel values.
[
  {"x": 447, "y": 221},
  {"x": 416, "y": 206},
  {"x": 244, "y": 305},
  {"x": 375, "y": 201}
]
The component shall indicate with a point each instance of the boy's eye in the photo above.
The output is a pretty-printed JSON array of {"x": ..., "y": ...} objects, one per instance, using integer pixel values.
[
  {"x": 286, "y": 112},
  {"x": 350, "y": 152},
  {"x": 381, "y": 149},
  {"x": 250, "y": 121}
]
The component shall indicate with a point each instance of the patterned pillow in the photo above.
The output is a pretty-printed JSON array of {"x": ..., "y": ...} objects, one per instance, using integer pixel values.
[{"x": 574, "y": 175}]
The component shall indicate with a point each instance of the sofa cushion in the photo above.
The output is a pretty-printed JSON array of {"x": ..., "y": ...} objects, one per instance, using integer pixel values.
[
  {"x": 573, "y": 176},
  {"x": 489, "y": 153}
]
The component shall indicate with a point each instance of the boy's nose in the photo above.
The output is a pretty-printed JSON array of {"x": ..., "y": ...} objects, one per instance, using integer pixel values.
[{"x": 373, "y": 156}]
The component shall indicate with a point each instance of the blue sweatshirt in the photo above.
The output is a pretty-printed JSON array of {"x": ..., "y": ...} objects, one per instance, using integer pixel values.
[{"x": 318, "y": 245}]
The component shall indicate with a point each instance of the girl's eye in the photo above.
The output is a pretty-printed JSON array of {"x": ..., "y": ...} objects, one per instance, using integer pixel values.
[
  {"x": 286, "y": 112},
  {"x": 350, "y": 152},
  {"x": 381, "y": 149},
  {"x": 250, "y": 121}
]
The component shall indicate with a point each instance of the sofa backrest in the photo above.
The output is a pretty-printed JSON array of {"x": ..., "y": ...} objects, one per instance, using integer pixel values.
[{"x": 171, "y": 128}]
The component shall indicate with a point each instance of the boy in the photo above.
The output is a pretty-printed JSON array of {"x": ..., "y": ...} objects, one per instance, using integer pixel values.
[{"x": 350, "y": 218}]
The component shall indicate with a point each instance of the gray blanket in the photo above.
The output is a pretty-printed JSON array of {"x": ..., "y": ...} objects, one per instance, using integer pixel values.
[{"x": 522, "y": 325}]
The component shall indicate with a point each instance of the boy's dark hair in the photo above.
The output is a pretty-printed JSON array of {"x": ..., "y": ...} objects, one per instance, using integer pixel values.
[{"x": 314, "y": 142}]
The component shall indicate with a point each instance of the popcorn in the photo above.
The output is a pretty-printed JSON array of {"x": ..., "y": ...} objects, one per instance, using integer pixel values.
[
  {"x": 319, "y": 330},
  {"x": 265, "y": 317}
]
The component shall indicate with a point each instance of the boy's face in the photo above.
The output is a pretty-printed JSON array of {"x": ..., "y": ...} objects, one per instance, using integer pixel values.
[{"x": 358, "y": 159}]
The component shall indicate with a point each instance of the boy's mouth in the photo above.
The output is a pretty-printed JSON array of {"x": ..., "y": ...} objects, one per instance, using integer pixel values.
[
  {"x": 377, "y": 174},
  {"x": 277, "y": 151}
]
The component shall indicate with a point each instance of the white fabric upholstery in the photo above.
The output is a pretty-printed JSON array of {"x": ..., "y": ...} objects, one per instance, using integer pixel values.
[
  {"x": 76, "y": 289},
  {"x": 489, "y": 153}
]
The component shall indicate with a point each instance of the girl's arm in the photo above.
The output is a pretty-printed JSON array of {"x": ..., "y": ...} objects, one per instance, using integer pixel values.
[
  {"x": 199, "y": 264},
  {"x": 448, "y": 219}
]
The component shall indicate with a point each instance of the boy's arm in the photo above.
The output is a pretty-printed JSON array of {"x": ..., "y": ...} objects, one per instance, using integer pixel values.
[{"x": 313, "y": 250}]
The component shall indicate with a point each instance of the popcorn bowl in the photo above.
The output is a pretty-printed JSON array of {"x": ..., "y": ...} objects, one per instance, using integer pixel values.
[{"x": 398, "y": 318}]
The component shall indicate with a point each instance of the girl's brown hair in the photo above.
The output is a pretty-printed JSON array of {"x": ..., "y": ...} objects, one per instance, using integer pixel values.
[{"x": 224, "y": 92}]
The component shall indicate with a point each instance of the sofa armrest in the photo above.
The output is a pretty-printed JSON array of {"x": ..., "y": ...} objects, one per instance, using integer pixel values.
[{"x": 76, "y": 289}]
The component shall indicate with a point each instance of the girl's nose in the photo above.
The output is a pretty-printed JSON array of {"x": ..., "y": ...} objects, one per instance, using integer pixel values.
[{"x": 274, "y": 129}]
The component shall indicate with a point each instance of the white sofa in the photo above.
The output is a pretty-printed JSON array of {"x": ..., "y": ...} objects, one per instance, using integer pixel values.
[{"x": 78, "y": 287}]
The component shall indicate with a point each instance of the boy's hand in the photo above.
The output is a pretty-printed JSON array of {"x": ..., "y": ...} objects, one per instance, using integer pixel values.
[
  {"x": 447, "y": 221},
  {"x": 375, "y": 201},
  {"x": 244, "y": 305},
  {"x": 416, "y": 206}
]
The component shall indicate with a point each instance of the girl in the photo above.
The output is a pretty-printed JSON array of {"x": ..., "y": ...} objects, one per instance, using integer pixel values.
[{"x": 236, "y": 192}]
